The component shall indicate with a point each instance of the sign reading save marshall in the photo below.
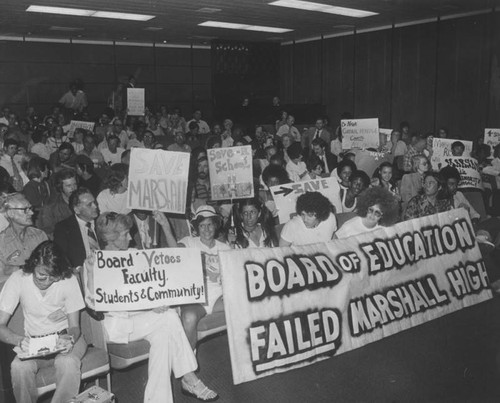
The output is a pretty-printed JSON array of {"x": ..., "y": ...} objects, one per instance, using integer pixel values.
[{"x": 290, "y": 307}]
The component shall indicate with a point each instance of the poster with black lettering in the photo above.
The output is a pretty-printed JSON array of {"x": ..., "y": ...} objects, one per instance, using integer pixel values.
[
  {"x": 77, "y": 124},
  {"x": 360, "y": 133},
  {"x": 470, "y": 177},
  {"x": 441, "y": 149},
  {"x": 293, "y": 306},
  {"x": 144, "y": 279},
  {"x": 158, "y": 180},
  {"x": 369, "y": 161},
  {"x": 492, "y": 138},
  {"x": 285, "y": 196},
  {"x": 231, "y": 172}
]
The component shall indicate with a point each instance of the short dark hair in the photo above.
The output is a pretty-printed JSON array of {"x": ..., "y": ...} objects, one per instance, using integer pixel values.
[
  {"x": 314, "y": 202},
  {"x": 346, "y": 163},
  {"x": 449, "y": 172},
  {"x": 458, "y": 144},
  {"x": 319, "y": 142},
  {"x": 116, "y": 175},
  {"x": 361, "y": 175},
  {"x": 10, "y": 142},
  {"x": 49, "y": 255},
  {"x": 67, "y": 146},
  {"x": 275, "y": 171},
  {"x": 294, "y": 151},
  {"x": 74, "y": 199},
  {"x": 62, "y": 175}
]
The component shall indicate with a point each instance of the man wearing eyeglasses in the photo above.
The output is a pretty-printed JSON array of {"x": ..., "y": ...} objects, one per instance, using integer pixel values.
[{"x": 20, "y": 238}]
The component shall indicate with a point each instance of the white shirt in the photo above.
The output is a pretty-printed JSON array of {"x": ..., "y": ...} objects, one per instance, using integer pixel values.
[
  {"x": 353, "y": 227},
  {"x": 295, "y": 170},
  {"x": 296, "y": 232},
  {"x": 204, "y": 127},
  {"x": 116, "y": 202},
  {"x": 110, "y": 158}
]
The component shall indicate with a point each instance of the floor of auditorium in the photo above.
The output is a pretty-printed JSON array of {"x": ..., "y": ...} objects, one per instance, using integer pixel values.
[{"x": 451, "y": 359}]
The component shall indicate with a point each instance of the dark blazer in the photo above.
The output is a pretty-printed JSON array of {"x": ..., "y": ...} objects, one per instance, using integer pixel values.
[
  {"x": 331, "y": 160},
  {"x": 68, "y": 237}
]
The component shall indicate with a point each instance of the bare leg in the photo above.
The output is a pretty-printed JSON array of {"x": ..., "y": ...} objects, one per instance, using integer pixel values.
[{"x": 190, "y": 316}]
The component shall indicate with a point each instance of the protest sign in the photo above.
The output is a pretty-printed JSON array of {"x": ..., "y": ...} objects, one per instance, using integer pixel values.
[
  {"x": 441, "y": 148},
  {"x": 158, "y": 180},
  {"x": 144, "y": 279},
  {"x": 492, "y": 138},
  {"x": 231, "y": 175},
  {"x": 470, "y": 177},
  {"x": 135, "y": 101},
  {"x": 285, "y": 196},
  {"x": 369, "y": 161},
  {"x": 77, "y": 124},
  {"x": 386, "y": 133},
  {"x": 360, "y": 133},
  {"x": 292, "y": 306}
]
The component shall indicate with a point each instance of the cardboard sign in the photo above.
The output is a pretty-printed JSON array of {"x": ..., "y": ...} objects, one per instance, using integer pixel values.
[
  {"x": 492, "y": 138},
  {"x": 285, "y": 196},
  {"x": 441, "y": 148},
  {"x": 77, "y": 124},
  {"x": 360, "y": 133},
  {"x": 136, "y": 101},
  {"x": 145, "y": 279},
  {"x": 158, "y": 180},
  {"x": 290, "y": 307},
  {"x": 369, "y": 161},
  {"x": 470, "y": 177},
  {"x": 231, "y": 172}
]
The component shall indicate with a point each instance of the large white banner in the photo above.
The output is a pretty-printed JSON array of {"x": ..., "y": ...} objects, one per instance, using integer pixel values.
[
  {"x": 231, "y": 172},
  {"x": 158, "y": 180},
  {"x": 285, "y": 196},
  {"x": 360, "y": 133},
  {"x": 145, "y": 279},
  {"x": 290, "y": 307}
]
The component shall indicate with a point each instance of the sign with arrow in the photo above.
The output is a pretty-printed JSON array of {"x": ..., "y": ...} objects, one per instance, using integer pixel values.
[{"x": 285, "y": 196}]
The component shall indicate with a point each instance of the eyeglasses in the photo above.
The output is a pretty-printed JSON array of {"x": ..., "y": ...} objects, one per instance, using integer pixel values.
[
  {"x": 376, "y": 213},
  {"x": 26, "y": 210}
]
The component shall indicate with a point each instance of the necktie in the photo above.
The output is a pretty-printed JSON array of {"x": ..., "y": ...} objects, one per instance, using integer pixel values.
[
  {"x": 17, "y": 182},
  {"x": 93, "y": 244},
  {"x": 316, "y": 135}
]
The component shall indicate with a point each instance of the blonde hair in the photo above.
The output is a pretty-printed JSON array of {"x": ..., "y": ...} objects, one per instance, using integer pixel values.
[{"x": 109, "y": 225}]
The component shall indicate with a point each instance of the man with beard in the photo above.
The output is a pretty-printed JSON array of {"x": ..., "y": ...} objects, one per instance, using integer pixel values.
[{"x": 201, "y": 188}]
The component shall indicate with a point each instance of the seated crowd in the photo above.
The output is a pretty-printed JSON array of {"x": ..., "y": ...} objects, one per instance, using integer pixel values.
[{"x": 63, "y": 195}]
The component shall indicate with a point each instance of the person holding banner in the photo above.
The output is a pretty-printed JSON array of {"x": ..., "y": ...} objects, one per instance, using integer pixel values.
[
  {"x": 253, "y": 225},
  {"x": 314, "y": 222},
  {"x": 376, "y": 207},
  {"x": 161, "y": 327},
  {"x": 206, "y": 223},
  {"x": 430, "y": 201}
]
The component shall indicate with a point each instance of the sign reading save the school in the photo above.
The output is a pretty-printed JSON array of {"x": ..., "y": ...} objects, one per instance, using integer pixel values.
[
  {"x": 145, "y": 279},
  {"x": 285, "y": 196},
  {"x": 231, "y": 174},
  {"x": 290, "y": 307},
  {"x": 360, "y": 133},
  {"x": 158, "y": 180}
]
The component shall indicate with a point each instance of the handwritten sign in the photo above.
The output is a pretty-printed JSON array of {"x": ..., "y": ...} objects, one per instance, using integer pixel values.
[
  {"x": 136, "y": 101},
  {"x": 285, "y": 196},
  {"x": 231, "y": 172},
  {"x": 441, "y": 148},
  {"x": 145, "y": 279},
  {"x": 77, "y": 124},
  {"x": 158, "y": 180},
  {"x": 492, "y": 138},
  {"x": 360, "y": 133},
  {"x": 292, "y": 306},
  {"x": 470, "y": 177},
  {"x": 369, "y": 161}
]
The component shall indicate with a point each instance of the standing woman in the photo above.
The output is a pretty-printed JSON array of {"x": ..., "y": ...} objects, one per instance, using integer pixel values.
[
  {"x": 253, "y": 225},
  {"x": 206, "y": 223},
  {"x": 161, "y": 327}
]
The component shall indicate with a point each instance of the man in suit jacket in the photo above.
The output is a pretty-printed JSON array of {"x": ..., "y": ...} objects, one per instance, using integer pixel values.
[
  {"x": 319, "y": 147},
  {"x": 76, "y": 234},
  {"x": 318, "y": 131}
]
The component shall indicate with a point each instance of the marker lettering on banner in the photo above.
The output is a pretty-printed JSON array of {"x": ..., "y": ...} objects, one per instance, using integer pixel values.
[
  {"x": 302, "y": 335},
  {"x": 466, "y": 279},
  {"x": 296, "y": 273},
  {"x": 394, "y": 303},
  {"x": 396, "y": 252}
]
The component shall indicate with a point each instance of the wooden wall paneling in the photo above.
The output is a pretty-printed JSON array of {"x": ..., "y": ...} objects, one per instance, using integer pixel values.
[
  {"x": 286, "y": 74},
  {"x": 134, "y": 54},
  {"x": 94, "y": 73},
  {"x": 414, "y": 76},
  {"x": 173, "y": 74},
  {"x": 86, "y": 53},
  {"x": 202, "y": 74},
  {"x": 201, "y": 57},
  {"x": 172, "y": 93},
  {"x": 338, "y": 76},
  {"x": 307, "y": 73},
  {"x": 373, "y": 76},
  {"x": 174, "y": 56},
  {"x": 494, "y": 74},
  {"x": 43, "y": 52}
]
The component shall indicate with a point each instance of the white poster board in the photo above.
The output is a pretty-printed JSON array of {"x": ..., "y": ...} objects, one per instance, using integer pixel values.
[
  {"x": 441, "y": 149},
  {"x": 78, "y": 124},
  {"x": 158, "y": 180},
  {"x": 136, "y": 101},
  {"x": 360, "y": 133},
  {"x": 492, "y": 138},
  {"x": 231, "y": 172},
  {"x": 285, "y": 196},
  {"x": 145, "y": 279},
  {"x": 470, "y": 177}
]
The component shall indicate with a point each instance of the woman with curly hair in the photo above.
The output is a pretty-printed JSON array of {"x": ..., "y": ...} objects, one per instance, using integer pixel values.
[
  {"x": 376, "y": 207},
  {"x": 51, "y": 301},
  {"x": 253, "y": 225},
  {"x": 358, "y": 181},
  {"x": 114, "y": 196},
  {"x": 314, "y": 222}
]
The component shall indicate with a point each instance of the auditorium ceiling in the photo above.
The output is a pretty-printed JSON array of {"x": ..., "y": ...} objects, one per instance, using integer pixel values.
[{"x": 177, "y": 21}]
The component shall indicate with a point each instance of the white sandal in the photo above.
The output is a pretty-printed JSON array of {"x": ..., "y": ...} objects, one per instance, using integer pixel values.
[{"x": 199, "y": 391}]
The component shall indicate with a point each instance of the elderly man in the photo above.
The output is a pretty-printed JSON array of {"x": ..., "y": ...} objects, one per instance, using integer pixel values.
[{"x": 20, "y": 238}]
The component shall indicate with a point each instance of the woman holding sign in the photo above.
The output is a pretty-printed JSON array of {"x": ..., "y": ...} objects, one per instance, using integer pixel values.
[{"x": 161, "y": 327}]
